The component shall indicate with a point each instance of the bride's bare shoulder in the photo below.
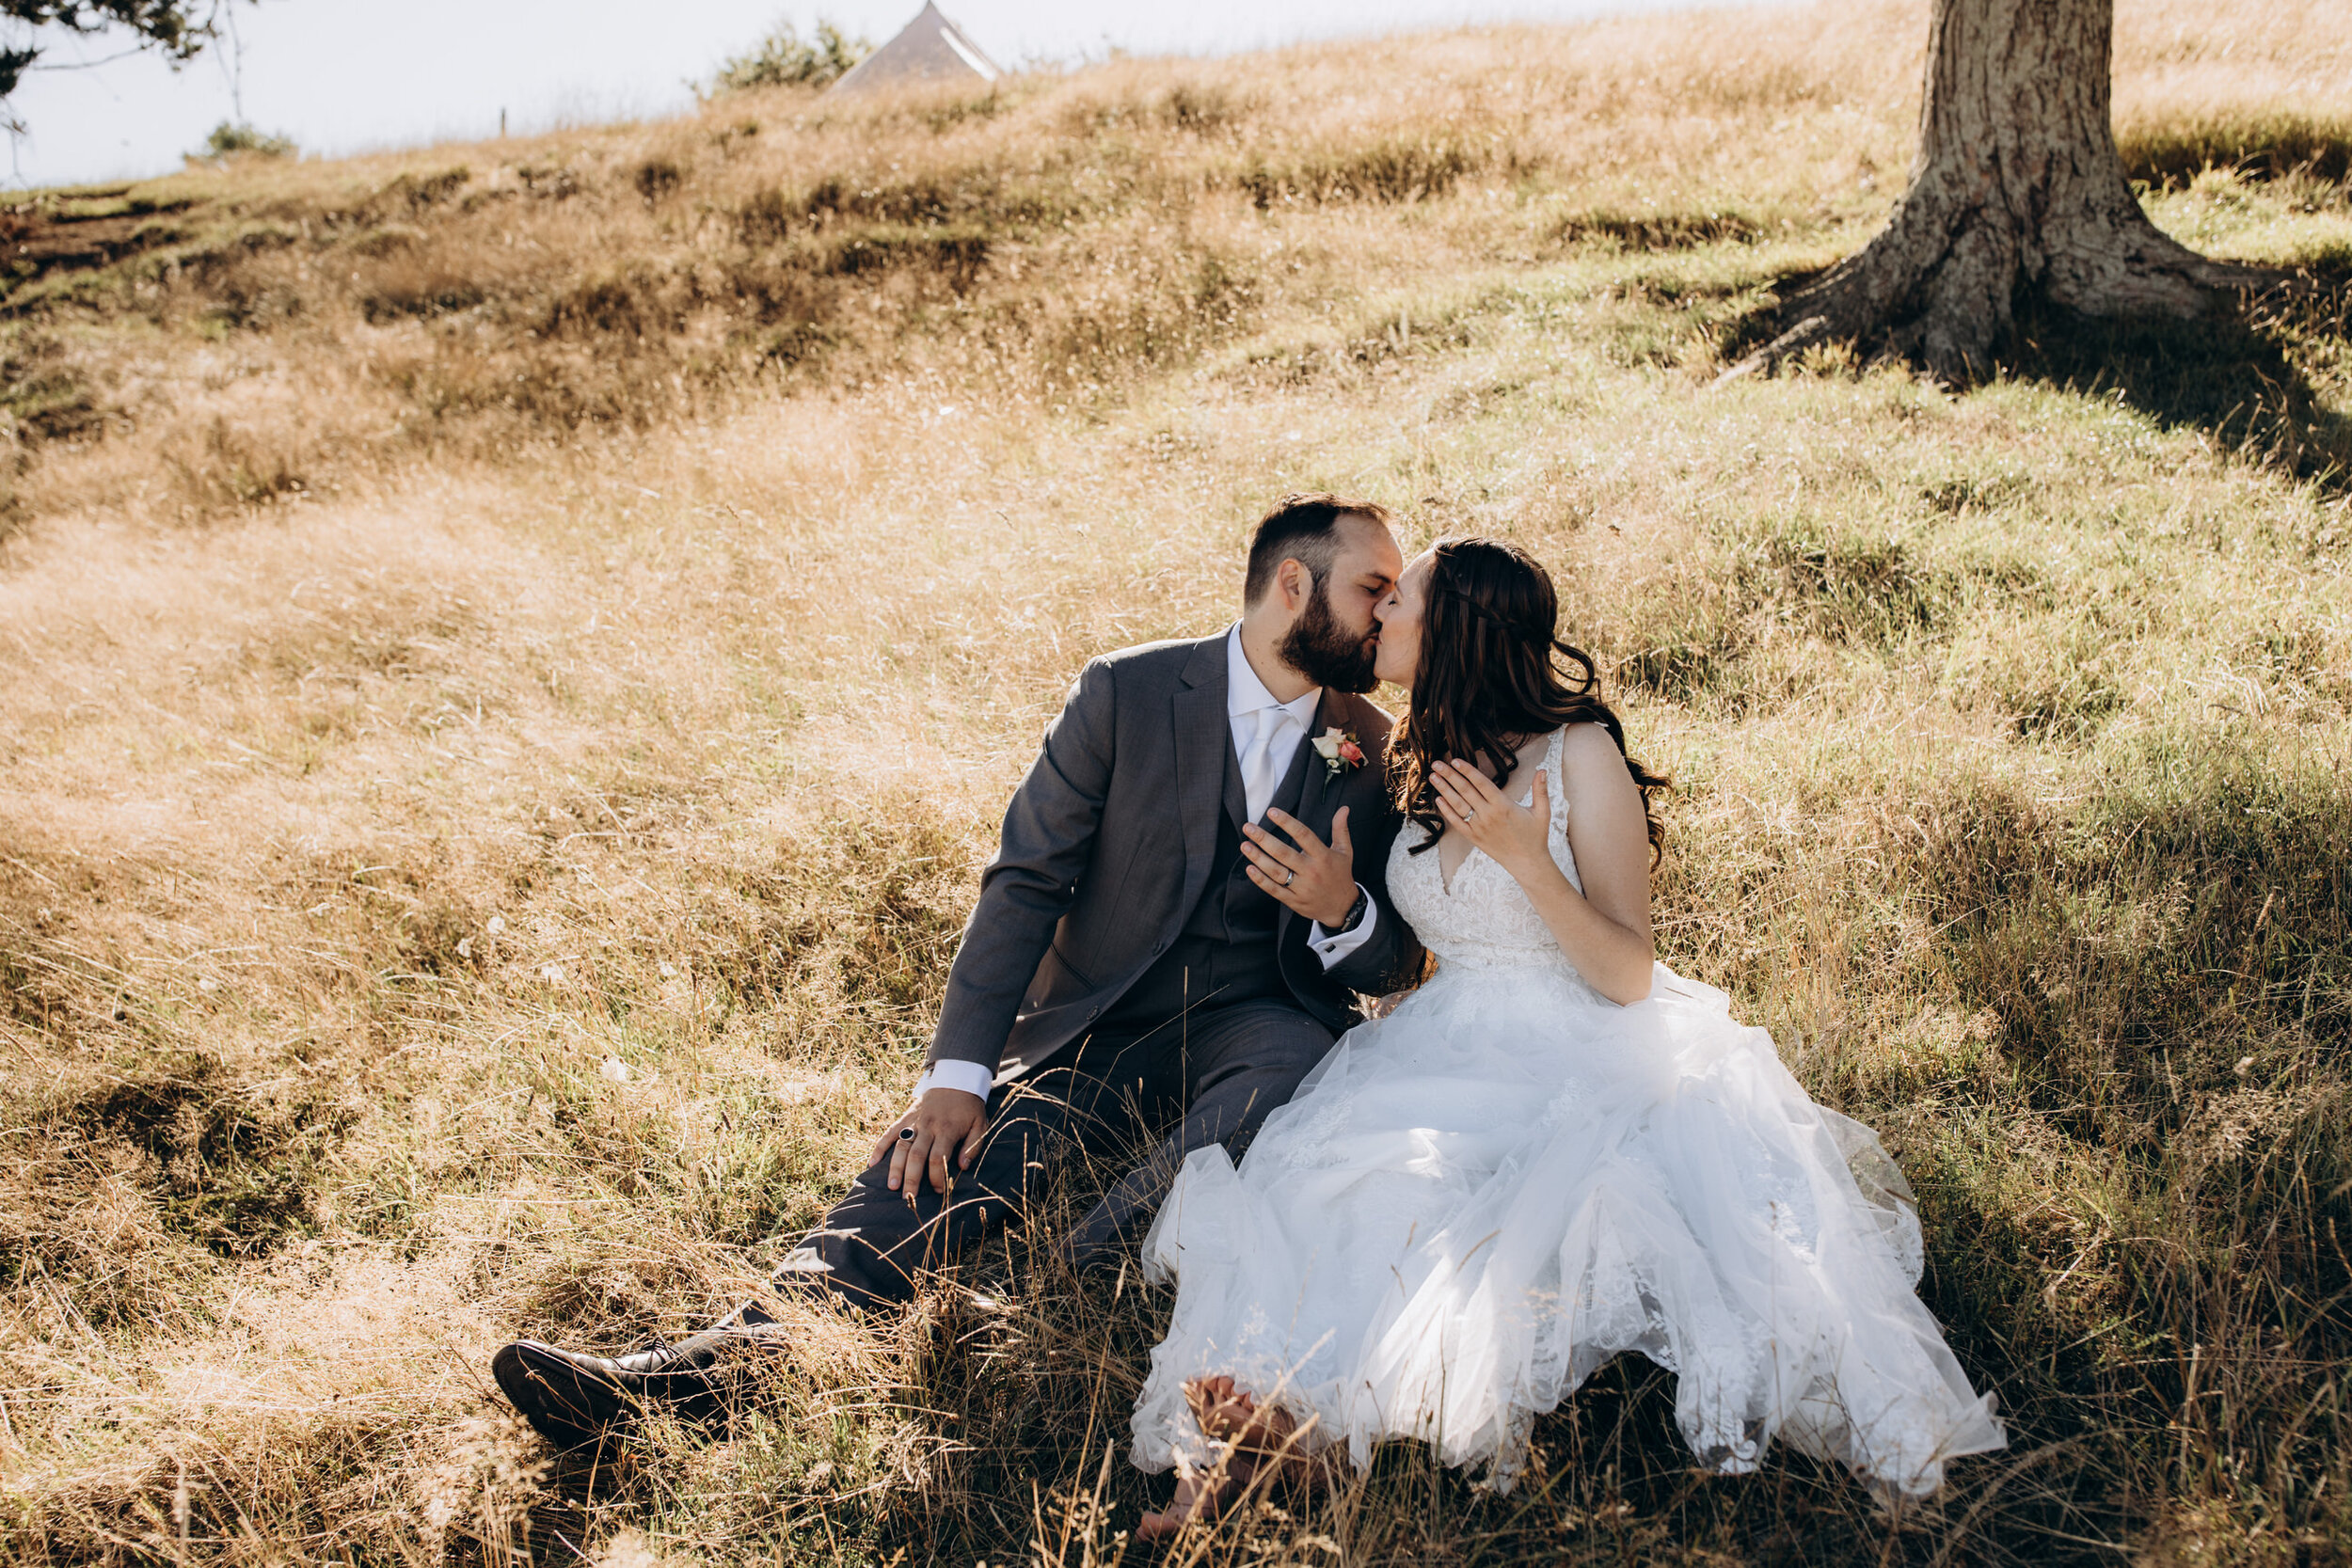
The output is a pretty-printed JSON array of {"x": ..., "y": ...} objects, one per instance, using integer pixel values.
[{"x": 1584, "y": 747}]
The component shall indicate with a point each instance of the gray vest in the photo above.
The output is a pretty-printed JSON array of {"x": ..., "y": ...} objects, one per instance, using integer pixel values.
[{"x": 1226, "y": 951}]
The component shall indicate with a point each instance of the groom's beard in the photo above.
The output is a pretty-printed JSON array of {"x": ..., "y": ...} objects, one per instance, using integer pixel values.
[{"x": 1327, "y": 653}]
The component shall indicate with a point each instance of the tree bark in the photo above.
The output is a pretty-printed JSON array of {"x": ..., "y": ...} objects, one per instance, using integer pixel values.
[{"x": 2017, "y": 186}]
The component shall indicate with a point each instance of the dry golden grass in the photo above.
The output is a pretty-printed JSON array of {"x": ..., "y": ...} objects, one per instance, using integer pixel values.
[{"x": 510, "y": 679}]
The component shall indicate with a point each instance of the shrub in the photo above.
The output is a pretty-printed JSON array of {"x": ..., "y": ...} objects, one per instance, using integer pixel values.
[
  {"x": 784, "y": 58},
  {"x": 242, "y": 141},
  {"x": 656, "y": 179}
]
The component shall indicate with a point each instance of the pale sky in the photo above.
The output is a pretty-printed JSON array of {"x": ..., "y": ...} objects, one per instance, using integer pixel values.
[{"x": 353, "y": 76}]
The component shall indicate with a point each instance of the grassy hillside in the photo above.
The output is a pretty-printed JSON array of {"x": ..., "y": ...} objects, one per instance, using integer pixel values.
[{"x": 513, "y": 654}]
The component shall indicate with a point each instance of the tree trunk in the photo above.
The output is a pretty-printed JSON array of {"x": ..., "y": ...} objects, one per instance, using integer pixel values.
[{"x": 2017, "y": 185}]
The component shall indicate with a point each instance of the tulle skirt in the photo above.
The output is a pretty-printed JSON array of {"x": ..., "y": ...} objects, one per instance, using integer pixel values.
[{"x": 1475, "y": 1202}]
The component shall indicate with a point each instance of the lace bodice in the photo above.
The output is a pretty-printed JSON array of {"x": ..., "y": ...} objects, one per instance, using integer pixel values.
[{"x": 1484, "y": 920}]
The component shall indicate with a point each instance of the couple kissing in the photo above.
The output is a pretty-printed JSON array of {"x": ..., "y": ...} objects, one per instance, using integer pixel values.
[{"x": 1432, "y": 1224}]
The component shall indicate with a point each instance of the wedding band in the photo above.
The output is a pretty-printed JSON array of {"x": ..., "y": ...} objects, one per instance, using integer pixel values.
[
  {"x": 1288, "y": 877},
  {"x": 1471, "y": 812}
]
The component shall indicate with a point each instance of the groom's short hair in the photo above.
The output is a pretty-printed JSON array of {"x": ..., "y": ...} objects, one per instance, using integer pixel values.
[{"x": 1303, "y": 528}]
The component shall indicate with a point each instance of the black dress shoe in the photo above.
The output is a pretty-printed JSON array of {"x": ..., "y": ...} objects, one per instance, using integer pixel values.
[{"x": 578, "y": 1400}]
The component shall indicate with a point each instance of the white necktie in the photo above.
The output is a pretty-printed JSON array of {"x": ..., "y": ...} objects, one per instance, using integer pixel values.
[{"x": 1260, "y": 776}]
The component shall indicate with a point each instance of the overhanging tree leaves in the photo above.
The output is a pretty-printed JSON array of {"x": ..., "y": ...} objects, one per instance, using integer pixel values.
[
  {"x": 2017, "y": 186},
  {"x": 179, "y": 29}
]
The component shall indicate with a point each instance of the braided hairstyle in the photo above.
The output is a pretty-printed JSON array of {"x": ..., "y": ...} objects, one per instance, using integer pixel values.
[{"x": 1493, "y": 674}]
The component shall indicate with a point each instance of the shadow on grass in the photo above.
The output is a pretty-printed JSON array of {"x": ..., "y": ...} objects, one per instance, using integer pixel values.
[
  {"x": 2237, "y": 377},
  {"x": 2263, "y": 144},
  {"x": 1006, "y": 1393}
]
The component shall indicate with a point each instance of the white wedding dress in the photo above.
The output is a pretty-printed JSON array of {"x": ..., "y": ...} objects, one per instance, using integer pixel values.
[{"x": 1475, "y": 1201}]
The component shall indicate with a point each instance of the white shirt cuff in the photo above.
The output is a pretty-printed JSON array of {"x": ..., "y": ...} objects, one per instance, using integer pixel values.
[
  {"x": 971, "y": 1077},
  {"x": 1330, "y": 946}
]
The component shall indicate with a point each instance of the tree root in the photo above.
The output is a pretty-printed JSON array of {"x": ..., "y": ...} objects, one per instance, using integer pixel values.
[{"x": 1938, "y": 293}]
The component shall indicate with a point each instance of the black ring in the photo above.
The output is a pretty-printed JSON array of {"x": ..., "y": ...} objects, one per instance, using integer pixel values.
[{"x": 905, "y": 1133}]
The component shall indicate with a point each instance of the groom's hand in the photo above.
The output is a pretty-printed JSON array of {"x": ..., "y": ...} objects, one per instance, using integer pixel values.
[
  {"x": 948, "y": 1124},
  {"x": 1315, "y": 879}
]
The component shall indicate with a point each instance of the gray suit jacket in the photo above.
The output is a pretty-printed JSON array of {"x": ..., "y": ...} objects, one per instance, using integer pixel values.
[{"x": 1108, "y": 844}]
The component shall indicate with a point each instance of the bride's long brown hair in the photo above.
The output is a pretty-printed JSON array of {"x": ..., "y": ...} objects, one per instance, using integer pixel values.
[{"x": 1492, "y": 674}]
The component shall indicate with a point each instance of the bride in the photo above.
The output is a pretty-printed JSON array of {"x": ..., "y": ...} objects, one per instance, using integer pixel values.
[{"x": 1554, "y": 1151}]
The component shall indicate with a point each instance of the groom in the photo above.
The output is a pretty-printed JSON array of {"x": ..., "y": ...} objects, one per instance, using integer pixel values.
[{"x": 1188, "y": 891}]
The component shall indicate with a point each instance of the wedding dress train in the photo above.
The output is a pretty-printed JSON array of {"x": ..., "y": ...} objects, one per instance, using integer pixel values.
[{"x": 1475, "y": 1201}]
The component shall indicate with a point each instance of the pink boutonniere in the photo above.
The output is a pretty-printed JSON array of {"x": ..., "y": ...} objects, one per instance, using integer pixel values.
[{"x": 1339, "y": 751}]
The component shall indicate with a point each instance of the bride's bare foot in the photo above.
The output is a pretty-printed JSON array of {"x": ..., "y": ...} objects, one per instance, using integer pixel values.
[
  {"x": 1230, "y": 1416},
  {"x": 1249, "y": 1437},
  {"x": 1199, "y": 1500}
]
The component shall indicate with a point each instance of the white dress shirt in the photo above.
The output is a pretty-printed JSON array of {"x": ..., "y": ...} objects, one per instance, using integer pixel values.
[
  {"x": 1266, "y": 737},
  {"x": 1248, "y": 708}
]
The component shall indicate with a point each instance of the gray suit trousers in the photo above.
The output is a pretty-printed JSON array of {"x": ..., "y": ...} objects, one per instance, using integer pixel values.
[{"x": 1211, "y": 1076}]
